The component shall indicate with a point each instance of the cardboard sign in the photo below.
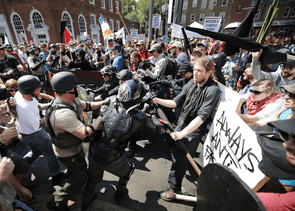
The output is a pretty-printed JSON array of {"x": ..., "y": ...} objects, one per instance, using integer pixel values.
[
  {"x": 231, "y": 142},
  {"x": 212, "y": 23},
  {"x": 141, "y": 37},
  {"x": 156, "y": 23},
  {"x": 134, "y": 34},
  {"x": 176, "y": 31}
]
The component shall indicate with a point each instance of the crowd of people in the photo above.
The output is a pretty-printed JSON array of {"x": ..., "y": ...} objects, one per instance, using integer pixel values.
[{"x": 167, "y": 81}]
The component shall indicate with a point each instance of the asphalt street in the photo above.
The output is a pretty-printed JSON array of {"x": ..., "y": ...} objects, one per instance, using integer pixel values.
[{"x": 149, "y": 179}]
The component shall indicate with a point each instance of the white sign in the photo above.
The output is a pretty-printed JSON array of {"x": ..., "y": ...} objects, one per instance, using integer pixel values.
[
  {"x": 212, "y": 23},
  {"x": 156, "y": 21},
  {"x": 232, "y": 142},
  {"x": 141, "y": 37},
  {"x": 134, "y": 34},
  {"x": 176, "y": 32}
]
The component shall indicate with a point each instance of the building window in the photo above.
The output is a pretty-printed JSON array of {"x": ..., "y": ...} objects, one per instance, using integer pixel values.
[
  {"x": 183, "y": 18},
  {"x": 91, "y": 1},
  {"x": 239, "y": 8},
  {"x": 111, "y": 5},
  {"x": 193, "y": 17},
  {"x": 82, "y": 24},
  {"x": 224, "y": 3},
  {"x": 67, "y": 17},
  {"x": 204, "y": 4},
  {"x": 93, "y": 19},
  {"x": 211, "y": 14},
  {"x": 103, "y": 4},
  {"x": 118, "y": 6},
  {"x": 222, "y": 14},
  {"x": 18, "y": 27},
  {"x": 184, "y": 7},
  {"x": 118, "y": 25},
  {"x": 257, "y": 14},
  {"x": 42, "y": 36},
  {"x": 37, "y": 20},
  {"x": 112, "y": 25},
  {"x": 195, "y": 3},
  {"x": 202, "y": 16},
  {"x": 286, "y": 12},
  {"x": 293, "y": 12},
  {"x": 253, "y": 2},
  {"x": 214, "y": 2}
]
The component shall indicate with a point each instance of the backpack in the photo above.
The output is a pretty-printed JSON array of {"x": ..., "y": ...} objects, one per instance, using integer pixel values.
[{"x": 172, "y": 67}]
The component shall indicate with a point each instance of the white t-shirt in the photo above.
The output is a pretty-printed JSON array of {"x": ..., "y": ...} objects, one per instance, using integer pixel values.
[
  {"x": 271, "y": 108},
  {"x": 28, "y": 120}
]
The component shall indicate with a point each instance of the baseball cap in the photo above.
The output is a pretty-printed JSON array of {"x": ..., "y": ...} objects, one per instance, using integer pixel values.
[
  {"x": 156, "y": 46},
  {"x": 281, "y": 32},
  {"x": 203, "y": 44},
  {"x": 116, "y": 47},
  {"x": 289, "y": 88},
  {"x": 186, "y": 67},
  {"x": 290, "y": 60},
  {"x": 177, "y": 44},
  {"x": 140, "y": 42}
]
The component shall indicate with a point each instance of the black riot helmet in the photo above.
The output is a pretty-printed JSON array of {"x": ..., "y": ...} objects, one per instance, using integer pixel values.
[
  {"x": 27, "y": 84},
  {"x": 63, "y": 81},
  {"x": 124, "y": 75},
  {"x": 32, "y": 48},
  {"x": 53, "y": 46},
  {"x": 131, "y": 91},
  {"x": 219, "y": 59},
  {"x": 81, "y": 53},
  {"x": 108, "y": 70}
]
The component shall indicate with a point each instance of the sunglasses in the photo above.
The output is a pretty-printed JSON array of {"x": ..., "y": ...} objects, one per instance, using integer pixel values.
[
  {"x": 290, "y": 95},
  {"x": 12, "y": 90},
  {"x": 256, "y": 92}
]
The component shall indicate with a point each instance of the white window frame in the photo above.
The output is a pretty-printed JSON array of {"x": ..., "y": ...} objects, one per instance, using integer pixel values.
[
  {"x": 211, "y": 14},
  {"x": 221, "y": 14},
  {"x": 203, "y": 17},
  {"x": 91, "y": 2},
  {"x": 214, "y": 2},
  {"x": 292, "y": 14},
  {"x": 193, "y": 17},
  {"x": 285, "y": 16},
  {"x": 32, "y": 20},
  {"x": 195, "y": 3},
  {"x": 111, "y": 5},
  {"x": 103, "y": 4},
  {"x": 257, "y": 14},
  {"x": 183, "y": 19},
  {"x": 17, "y": 32},
  {"x": 204, "y": 4},
  {"x": 185, "y": 5},
  {"x": 82, "y": 16},
  {"x": 118, "y": 25},
  {"x": 117, "y": 5},
  {"x": 224, "y": 1},
  {"x": 94, "y": 17},
  {"x": 71, "y": 21},
  {"x": 112, "y": 24}
]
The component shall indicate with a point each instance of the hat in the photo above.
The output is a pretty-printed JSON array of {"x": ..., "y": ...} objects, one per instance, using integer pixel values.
[
  {"x": 289, "y": 88},
  {"x": 116, "y": 47},
  {"x": 156, "y": 46},
  {"x": 71, "y": 43},
  {"x": 186, "y": 67},
  {"x": 140, "y": 42},
  {"x": 1, "y": 46},
  {"x": 290, "y": 60},
  {"x": 129, "y": 48},
  {"x": 177, "y": 44},
  {"x": 281, "y": 32},
  {"x": 286, "y": 126},
  {"x": 203, "y": 44}
]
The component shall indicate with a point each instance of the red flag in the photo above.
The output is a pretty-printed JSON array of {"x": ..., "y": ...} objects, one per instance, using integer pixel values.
[{"x": 67, "y": 35}]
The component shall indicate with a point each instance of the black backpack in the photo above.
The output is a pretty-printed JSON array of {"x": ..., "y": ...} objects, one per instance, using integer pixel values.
[{"x": 172, "y": 66}]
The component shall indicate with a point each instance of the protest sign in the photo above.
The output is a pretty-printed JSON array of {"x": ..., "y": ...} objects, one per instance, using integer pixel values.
[
  {"x": 141, "y": 37},
  {"x": 156, "y": 23},
  {"x": 165, "y": 39},
  {"x": 212, "y": 23},
  {"x": 176, "y": 32},
  {"x": 232, "y": 142},
  {"x": 134, "y": 34}
]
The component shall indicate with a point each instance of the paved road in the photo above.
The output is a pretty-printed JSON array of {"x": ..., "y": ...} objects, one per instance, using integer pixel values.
[{"x": 149, "y": 179}]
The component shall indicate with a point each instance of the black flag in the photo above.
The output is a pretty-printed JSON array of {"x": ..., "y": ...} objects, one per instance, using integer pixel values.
[
  {"x": 186, "y": 43},
  {"x": 62, "y": 26}
]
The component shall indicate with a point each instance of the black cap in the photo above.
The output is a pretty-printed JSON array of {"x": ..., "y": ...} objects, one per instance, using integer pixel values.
[
  {"x": 281, "y": 32},
  {"x": 116, "y": 47},
  {"x": 286, "y": 126},
  {"x": 186, "y": 67},
  {"x": 290, "y": 60}
]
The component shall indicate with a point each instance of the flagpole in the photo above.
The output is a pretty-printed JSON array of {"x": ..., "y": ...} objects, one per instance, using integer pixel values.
[{"x": 124, "y": 25}]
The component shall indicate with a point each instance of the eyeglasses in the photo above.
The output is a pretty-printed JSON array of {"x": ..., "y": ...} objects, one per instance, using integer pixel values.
[
  {"x": 12, "y": 90},
  {"x": 290, "y": 95},
  {"x": 256, "y": 92}
]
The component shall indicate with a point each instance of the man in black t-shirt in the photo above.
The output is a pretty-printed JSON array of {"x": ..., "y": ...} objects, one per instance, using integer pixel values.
[
  {"x": 9, "y": 66},
  {"x": 198, "y": 100}
]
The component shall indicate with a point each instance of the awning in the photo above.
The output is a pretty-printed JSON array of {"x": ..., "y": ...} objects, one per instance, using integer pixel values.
[
  {"x": 232, "y": 25},
  {"x": 276, "y": 23}
]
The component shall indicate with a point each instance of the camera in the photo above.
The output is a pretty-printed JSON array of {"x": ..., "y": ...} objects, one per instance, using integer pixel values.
[{"x": 53, "y": 51}]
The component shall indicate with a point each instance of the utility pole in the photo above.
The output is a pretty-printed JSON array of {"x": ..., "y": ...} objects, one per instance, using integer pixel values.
[{"x": 150, "y": 19}]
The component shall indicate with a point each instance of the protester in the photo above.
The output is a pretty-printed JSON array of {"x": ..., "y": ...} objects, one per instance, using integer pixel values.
[
  {"x": 44, "y": 54},
  {"x": 217, "y": 47},
  {"x": 268, "y": 40},
  {"x": 81, "y": 62},
  {"x": 219, "y": 60},
  {"x": 9, "y": 51},
  {"x": 118, "y": 62},
  {"x": 195, "y": 55},
  {"x": 177, "y": 50},
  {"x": 247, "y": 76},
  {"x": 199, "y": 100},
  {"x": 135, "y": 59},
  {"x": 203, "y": 48}
]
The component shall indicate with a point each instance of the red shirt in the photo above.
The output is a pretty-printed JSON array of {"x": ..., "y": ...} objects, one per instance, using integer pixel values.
[
  {"x": 143, "y": 54},
  {"x": 134, "y": 68}
]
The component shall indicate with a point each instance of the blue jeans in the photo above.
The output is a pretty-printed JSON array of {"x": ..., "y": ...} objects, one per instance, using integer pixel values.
[
  {"x": 23, "y": 206},
  {"x": 40, "y": 143}
]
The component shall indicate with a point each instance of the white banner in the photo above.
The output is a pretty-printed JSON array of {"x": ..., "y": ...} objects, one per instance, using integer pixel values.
[
  {"x": 176, "y": 32},
  {"x": 232, "y": 142},
  {"x": 141, "y": 37},
  {"x": 134, "y": 34},
  {"x": 156, "y": 23},
  {"x": 212, "y": 23}
]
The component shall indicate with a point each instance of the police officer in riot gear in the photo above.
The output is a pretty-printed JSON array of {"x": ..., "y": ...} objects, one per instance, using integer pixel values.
[
  {"x": 219, "y": 60},
  {"x": 120, "y": 122},
  {"x": 66, "y": 126}
]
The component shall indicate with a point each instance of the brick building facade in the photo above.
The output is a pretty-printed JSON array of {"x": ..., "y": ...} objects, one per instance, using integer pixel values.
[{"x": 39, "y": 20}]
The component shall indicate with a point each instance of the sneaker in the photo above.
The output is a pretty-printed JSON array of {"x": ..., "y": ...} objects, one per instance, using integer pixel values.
[
  {"x": 85, "y": 206},
  {"x": 57, "y": 179},
  {"x": 169, "y": 194},
  {"x": 120, "y": 194}
]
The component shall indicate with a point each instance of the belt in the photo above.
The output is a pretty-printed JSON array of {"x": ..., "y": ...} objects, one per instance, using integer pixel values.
[{"x": 24, "y": 134}]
